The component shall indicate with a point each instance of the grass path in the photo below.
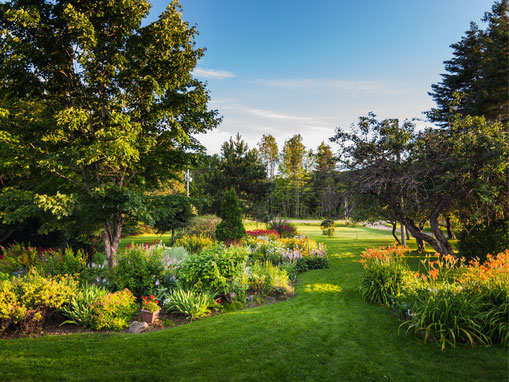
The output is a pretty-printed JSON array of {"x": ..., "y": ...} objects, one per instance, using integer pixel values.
[{"x": 326, "y": 333}]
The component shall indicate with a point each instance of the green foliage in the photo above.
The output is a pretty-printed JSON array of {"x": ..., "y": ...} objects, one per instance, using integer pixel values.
[
  {"x": 64, "y": 262},
  {"x": 215, "y": 268},
  {"x": 202, "y": 226},
  {"x": 283, "y": 227},
  {"x": 89, "y": 141},
  {"x": 19, "y": 258},
  {"x": 113, "y": 311},
  {"x": 384, "y": 270},
  {"x": 478, "y": 241},
  {"x": 237, "y": 167},
  {"x": 194, "y": 243},
  {"x": 138, "y": 268},
  {"x": 28, "y": 300},
  {"x": 230, "y": 228},
  {"x": 171, "y": 212},
  {"x": 193, "y": 304},
  {"x": 267, "y": 278},
  {"x": 476, "y": 82},
  {"x": 79, "y": 310},
  {"x": 328, "y": 227}
]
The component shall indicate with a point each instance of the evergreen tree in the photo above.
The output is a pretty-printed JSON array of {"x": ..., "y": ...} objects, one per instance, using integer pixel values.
[
  {"x": 238, "y": 167},
  {"x": 230, "y": 228},
  {"x": 476, "y": 82}
]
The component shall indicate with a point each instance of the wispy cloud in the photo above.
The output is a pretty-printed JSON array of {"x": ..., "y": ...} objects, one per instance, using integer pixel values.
[
  {"x": 210, "y": 73},
  {"x": 321, "y": 84}
]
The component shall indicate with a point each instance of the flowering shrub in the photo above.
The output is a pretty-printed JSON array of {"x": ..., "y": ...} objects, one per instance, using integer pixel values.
[
  {"x": 284, "y": 228},
  {"x": 194, "y": 243},
  {"x": 270, "y": 233},
  {"x": 113, "y": 311},
  {"x": 150, "y": 303},
  {"x": 17, "y": 259},
  {"x": 452, "y": 302}
]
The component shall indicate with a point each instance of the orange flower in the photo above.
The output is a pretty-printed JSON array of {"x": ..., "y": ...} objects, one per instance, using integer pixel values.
[{"x": 434, "y": 273}]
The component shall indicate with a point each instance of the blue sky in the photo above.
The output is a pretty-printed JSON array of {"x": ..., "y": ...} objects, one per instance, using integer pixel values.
[{"x": 283, "y": 67}]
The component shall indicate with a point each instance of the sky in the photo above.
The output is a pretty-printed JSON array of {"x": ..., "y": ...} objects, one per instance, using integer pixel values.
[{"x": 285, "y": 67}]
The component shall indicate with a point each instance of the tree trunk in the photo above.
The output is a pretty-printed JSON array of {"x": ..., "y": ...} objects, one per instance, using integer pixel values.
[
  {"x": 435, "y": 243},
  {"x": 394, "y": 225},
  {"x": 297, "y": 197},
  {"x": 403, "y": 234},
  {"x": 450, "y": 232},
  {"x": 111, "y": 236},
  {"x": 446, "y": 247}
]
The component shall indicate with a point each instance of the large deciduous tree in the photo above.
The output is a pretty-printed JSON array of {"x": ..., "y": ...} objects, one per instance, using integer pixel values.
[
  {"x": 292, "y": 167},
  {"x": 97, "y": 106},
  {"x": 425, "y": 175},
  {"x": 269, "y": 152}
]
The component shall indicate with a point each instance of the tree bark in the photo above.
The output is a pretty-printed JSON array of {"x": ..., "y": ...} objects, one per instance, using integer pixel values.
[
  {"x": 439, "y": 235},
  {"x": 403, "y": 234},
  {"x": 439, "y": 246},
  {"x": 450, "y": 232},
  {"x": 394, "y": 225},
  {"x": 111, "y": 236}
]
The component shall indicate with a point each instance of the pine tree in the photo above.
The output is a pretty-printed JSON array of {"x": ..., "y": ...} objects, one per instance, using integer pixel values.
[
  {"x": 230, "y": 228},
  {"x": 477, "y": 81}
]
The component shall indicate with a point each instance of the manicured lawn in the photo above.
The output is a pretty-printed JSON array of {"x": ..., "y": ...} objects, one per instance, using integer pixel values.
[{"x": 326, "y": 333}]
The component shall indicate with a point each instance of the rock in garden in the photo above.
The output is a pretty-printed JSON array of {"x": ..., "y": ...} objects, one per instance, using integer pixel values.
[{"x": 138, "y": 327}]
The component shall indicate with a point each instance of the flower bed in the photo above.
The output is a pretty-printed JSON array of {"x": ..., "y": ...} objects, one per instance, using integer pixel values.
[
  {"x": 194, "y": 283},
  {"x": 452, "y": 302}
]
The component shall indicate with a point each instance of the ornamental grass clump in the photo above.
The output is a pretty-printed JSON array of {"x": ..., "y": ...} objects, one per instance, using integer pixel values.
[
  {"x": 193, "y": 304},
  {"x": 79, "y": 310},
  {"x": 282, "y": 227}
]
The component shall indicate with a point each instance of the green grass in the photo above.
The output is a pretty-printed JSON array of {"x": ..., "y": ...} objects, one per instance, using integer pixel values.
[{"x": 326, "y": 333}]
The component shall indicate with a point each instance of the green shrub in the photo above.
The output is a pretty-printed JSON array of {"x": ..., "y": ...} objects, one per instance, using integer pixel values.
[
  {"x": 113, "y": 311},
  {"x": 230, "y": 229},
  {"x": 267, "y": 278},
  {"x": 64, "y": 262},
  {"x": 18, "y": 258},
  {"x": 328, "y": 227},
  {"x": 194, "y": 243},
  {"x": 191, "y": 303},
  {"x": 28, "y": 300},
  {"x": 138, "y": 269},
  {"x": 477, "y": 242},
  {"x": 79, "y": 310},
  {"x": 202, "y": 226},
  {"x": 215, "y": 268}
]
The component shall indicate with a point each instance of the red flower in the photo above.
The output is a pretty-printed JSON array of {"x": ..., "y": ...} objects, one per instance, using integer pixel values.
[
  {"x": 218, "y": 301},
  {"x": 152, "y": 296}
]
